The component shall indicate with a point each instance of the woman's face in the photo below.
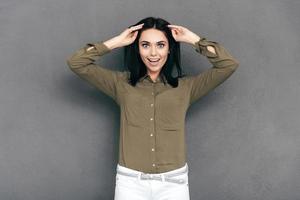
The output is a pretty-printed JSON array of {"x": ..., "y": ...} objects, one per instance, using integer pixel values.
[{"x": 153, "y": 48}]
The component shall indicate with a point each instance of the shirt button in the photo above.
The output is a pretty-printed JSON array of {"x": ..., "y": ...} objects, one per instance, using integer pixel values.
[
  {"x": 151, "y": 134},
  {"x": 152, "y": 149},
  {"x": 153, "y": 165},
  {"x": 151, "y": 118},
  {"x": 151, "y": 104}
]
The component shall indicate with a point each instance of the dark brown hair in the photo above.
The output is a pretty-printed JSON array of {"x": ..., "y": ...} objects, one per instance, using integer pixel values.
[{"x": 134, "y": 63}]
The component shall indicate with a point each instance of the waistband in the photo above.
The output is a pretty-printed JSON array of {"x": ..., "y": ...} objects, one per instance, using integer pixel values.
[{"x": 164, "y": 176}]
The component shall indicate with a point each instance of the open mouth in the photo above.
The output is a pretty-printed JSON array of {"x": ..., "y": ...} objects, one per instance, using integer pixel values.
[{"x": 153, "y": 61}]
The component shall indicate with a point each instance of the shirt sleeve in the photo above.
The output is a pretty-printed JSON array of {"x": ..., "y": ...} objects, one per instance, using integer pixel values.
[
  {"x": 223, "y": 65},
  {"x": 82, "y": 63}
]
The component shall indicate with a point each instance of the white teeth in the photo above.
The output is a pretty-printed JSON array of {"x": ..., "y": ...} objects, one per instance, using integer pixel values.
[{"x": 153, "y": 60}]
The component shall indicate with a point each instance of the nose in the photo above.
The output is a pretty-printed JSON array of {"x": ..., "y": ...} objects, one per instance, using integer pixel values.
[{"x": 153, "y": 51}]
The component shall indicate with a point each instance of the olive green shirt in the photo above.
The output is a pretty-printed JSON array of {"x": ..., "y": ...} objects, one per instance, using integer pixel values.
[{"x": 152, "y": 121}]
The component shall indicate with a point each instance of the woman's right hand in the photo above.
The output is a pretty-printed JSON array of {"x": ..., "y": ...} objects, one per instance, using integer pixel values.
[{"x": 125, "y": 38}]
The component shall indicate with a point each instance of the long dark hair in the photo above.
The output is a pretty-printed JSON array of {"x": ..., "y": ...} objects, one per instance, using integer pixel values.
[{"x": 136, "y": 66}]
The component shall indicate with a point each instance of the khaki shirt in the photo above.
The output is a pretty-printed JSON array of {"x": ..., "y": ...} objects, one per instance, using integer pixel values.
[{"x": 152, "y": 121}]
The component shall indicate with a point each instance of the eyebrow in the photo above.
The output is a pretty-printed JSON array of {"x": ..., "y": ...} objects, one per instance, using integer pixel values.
[{"x": 156, "y": 42}]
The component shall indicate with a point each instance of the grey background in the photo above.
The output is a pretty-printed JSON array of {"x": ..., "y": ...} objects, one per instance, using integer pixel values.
[{"x": 59, "y": 135}]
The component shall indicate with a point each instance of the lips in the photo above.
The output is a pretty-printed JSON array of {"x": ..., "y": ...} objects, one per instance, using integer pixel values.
[{"x": 153, "y": 60}]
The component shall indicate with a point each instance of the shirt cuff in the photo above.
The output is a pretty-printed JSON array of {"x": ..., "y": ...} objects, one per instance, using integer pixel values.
[
  {"x": 100, "y": 47},
  {"x": 201, "y": 47}
]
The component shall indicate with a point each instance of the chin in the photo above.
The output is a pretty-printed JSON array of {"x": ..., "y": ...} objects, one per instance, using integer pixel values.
[{"x": 154, "y": 70}]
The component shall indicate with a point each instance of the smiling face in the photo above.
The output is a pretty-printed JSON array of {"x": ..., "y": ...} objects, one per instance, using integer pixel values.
[{"x": 153, "y": 48}]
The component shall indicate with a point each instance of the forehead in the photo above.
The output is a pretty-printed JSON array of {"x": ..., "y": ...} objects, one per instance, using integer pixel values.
[{"x": 153, "y": 35}]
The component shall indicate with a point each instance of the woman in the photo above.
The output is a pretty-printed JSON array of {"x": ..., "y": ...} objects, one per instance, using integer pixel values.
[{"x": 152, "y": 161}]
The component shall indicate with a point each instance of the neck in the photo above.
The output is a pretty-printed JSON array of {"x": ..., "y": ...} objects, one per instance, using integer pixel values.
[{"x": 153, "y": 76}]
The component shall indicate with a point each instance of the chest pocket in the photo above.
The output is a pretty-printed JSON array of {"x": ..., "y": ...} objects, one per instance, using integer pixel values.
[
  {"x": 135, "y": 109},
  {"x": 171, "y": 109}
]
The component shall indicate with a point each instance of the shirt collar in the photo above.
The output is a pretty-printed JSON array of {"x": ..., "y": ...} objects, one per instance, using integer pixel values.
[{"x": 160, "y": 78}]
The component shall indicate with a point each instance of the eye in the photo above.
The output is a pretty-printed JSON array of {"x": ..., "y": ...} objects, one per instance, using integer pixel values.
[
  {"x": 161, "y": 45},
  {"x": 143, "y": 45}
]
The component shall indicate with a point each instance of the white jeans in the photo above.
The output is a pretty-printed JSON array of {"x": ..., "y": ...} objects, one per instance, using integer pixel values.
[{"x": 136, "y": 185}]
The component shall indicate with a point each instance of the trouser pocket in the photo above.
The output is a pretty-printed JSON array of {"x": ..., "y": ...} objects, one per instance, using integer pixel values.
[{"x": 126, "y": 181}]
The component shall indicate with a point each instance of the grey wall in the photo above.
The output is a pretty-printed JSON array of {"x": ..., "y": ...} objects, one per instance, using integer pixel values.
[{"x": 59, "y": 135}]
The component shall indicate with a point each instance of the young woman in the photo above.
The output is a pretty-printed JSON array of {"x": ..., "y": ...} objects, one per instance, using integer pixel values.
[{"x": 153, "y": 103}]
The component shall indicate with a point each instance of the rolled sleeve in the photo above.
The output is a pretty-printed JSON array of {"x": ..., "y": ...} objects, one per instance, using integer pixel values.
[
  {"x": 82, "y": 63},
  {"x": 223, "y": 66}
]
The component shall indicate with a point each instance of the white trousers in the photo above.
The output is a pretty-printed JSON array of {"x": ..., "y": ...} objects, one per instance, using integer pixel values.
[{"x": 136, "y": 185}]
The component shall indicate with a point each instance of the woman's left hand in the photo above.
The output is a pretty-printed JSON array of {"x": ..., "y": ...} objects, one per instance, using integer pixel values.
[{"x": 182, "y": 34}]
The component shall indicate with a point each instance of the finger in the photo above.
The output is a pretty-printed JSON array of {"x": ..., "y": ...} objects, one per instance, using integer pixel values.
[
  {"x": 174, "y": 32},
  {"x": 178, "y": 31},
  {"x": 137, "y": 26},
  {"x": 131, "y": 29},
  {"x": 133, "y": 34},
  {"x": 172, "y": 26},
  {"x": 179, "y": 28}
]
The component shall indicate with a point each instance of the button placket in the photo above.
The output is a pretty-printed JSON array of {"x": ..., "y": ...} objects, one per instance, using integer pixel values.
[
  {"x": 152, "y": 141},
  {"x": 152, "y": 105}
]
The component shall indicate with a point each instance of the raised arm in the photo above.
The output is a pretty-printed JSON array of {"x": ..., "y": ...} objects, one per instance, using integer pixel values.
[
  {"x": 223, "y": 66},
  {"x": 82, "y": 62}
]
